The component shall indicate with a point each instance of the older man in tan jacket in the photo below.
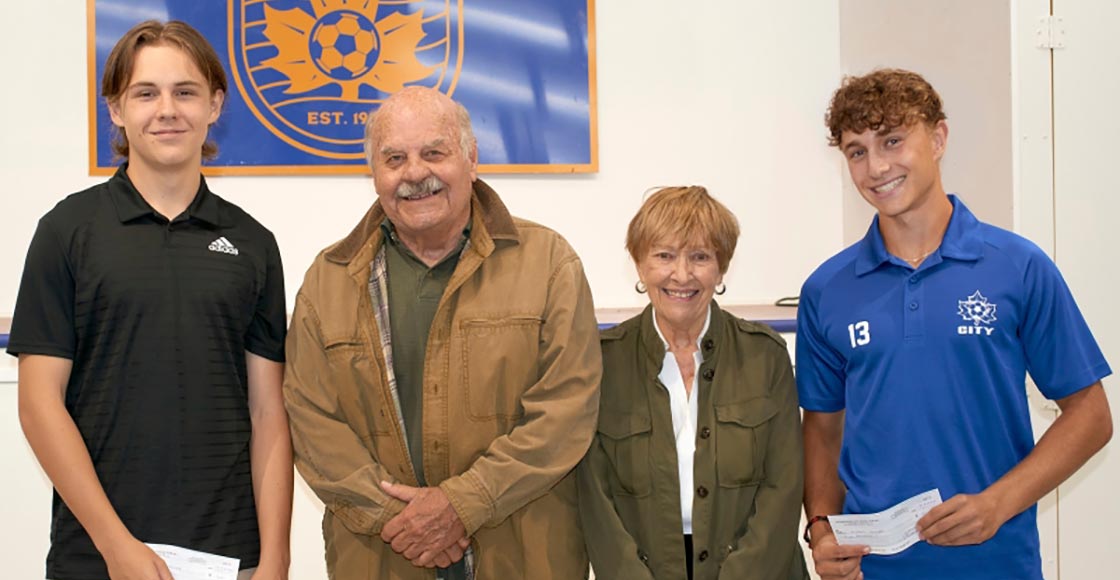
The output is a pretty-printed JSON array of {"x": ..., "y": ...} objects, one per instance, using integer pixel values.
[{"x": 443, "y": 371}]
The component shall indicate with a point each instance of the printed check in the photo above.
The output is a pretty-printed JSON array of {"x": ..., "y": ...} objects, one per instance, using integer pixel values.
[
  {"x": 194, "y": 565},
  {"x": 889, "y": 531}
]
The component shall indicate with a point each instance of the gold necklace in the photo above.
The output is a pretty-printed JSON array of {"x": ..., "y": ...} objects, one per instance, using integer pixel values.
[{"x": 915, "y": 261}]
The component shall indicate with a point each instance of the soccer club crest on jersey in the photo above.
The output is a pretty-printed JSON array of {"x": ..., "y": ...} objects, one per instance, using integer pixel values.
[
  {"x": 312, "y": 70},
  {"x": 980, "y": 312}
]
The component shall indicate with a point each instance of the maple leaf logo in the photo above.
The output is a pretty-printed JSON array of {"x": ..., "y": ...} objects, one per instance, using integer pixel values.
[
  {"x": 342, "y": 43},
  {"x": 977, "y": 309}
]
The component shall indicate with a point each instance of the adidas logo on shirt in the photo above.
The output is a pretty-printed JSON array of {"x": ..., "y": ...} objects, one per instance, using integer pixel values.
[{"x": 222, "y": 245}]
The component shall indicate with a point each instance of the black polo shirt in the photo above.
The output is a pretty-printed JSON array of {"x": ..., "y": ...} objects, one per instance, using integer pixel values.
[{"x": 157, "y": 317}]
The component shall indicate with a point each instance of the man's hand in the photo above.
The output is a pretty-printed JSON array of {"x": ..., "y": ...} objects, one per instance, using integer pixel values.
[
  {"x": 836, "y": 562},
  {"x": 130, "y": 559},
  {"x": 452, "y": 555},
  {"x": 428, "y": 531},
  {"x": 963, "y": 520}
]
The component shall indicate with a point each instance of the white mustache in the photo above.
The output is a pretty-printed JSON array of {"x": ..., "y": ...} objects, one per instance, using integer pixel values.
[{"x": 430, "y": 184}]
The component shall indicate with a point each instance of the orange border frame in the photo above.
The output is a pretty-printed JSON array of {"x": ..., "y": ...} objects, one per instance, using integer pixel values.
[{"x": 593, "y": 110}]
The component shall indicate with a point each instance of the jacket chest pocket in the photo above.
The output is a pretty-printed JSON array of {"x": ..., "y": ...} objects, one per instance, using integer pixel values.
[
  {"x": 500, "y": 361},
  {"x": 626, "y": 441},
  {"x": 742, "y": 436},
  {"x": 350, "y": 373}
]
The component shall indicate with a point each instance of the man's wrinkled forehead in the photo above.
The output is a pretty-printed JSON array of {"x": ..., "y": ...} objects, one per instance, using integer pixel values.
[{"x": 395, "y": 114}]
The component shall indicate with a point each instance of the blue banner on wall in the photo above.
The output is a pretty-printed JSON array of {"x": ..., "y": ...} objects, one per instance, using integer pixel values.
[{"x": 304, "y": 75}]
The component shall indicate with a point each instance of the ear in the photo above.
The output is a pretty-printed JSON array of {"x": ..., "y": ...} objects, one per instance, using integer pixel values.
[
  {"x": 474, "y": 161},
  {"x": 940, "y": 136},
  {"x": 216, "y": 101},
  {"x": 115, "y": 112}
]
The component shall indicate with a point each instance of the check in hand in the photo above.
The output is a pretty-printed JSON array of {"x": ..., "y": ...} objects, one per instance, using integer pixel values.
[
  {"x": 131, "y": 559},
  {"x": 963, "y": 520},
  {"x": 428, "y": 531}
]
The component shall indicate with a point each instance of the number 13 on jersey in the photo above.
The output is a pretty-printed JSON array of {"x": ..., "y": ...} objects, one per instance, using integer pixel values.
[{"x": 859, "y": 333}]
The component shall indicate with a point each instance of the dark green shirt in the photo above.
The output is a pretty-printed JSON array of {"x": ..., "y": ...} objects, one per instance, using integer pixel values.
[{"x": 414, "y": 293}]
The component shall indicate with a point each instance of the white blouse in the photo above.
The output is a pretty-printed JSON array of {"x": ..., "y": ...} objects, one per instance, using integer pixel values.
[{"x": 684, "y": 410}]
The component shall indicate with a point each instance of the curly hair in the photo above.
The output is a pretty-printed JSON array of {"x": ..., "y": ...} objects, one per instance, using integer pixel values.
[{"x": 882, "y": 99}]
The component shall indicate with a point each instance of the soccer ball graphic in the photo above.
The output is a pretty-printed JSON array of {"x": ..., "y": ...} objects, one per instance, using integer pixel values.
[{"x": 344, "y": 45}]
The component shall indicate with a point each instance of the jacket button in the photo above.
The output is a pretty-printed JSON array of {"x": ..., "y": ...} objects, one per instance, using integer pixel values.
[
  {"x": 643, "y": 556},
  {"x": 705, "y": 432},
  {"x": 702, "y": 491},
  {"x": 709, "y": 374},
  {"x": 703, "y": 555},
  {"x": 709, "y": 345}
]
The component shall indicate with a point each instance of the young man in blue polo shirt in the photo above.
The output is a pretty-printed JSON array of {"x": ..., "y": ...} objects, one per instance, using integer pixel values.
[
  {"x": 912, "y": 351},
  {"x": 150, "y": 331}
]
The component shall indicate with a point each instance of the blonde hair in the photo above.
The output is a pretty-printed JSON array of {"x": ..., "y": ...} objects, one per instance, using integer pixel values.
[{"x": 686, "y": 214}]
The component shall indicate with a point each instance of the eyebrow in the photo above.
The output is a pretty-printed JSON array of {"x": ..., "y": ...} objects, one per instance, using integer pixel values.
[
  {"x": 147, "y": 84},
  {"x": 437, "y": 143},
  {"x": 882, "y": 132}
]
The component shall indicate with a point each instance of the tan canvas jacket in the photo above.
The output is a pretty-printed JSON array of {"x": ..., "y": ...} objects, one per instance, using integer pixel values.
[
  {"x": 747, "y": 467},
  {"x": 511, "y": 392}
]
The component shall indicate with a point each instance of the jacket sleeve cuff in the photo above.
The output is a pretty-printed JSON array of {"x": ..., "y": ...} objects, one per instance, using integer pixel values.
[
  {"x": 470, "y": 500},
  {"x": 364, "y": 520}
]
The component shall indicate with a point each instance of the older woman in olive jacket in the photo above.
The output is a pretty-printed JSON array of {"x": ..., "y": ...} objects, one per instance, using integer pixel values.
[{"x": 696, "y": 469}]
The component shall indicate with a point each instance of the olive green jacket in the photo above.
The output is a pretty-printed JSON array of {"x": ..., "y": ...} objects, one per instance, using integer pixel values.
[{"x": 747, "y": 467}]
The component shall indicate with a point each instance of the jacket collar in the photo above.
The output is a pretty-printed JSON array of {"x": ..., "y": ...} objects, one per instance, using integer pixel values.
[
  {"x": 962, "y": 241},
  {"x": 490, "y": 222},
  {"x": 130, "y": 204}
]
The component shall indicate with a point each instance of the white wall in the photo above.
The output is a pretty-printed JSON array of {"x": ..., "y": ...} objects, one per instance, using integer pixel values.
[
  {"x": 1086, "y": 82},
  {"x": 727, "y": 94}
]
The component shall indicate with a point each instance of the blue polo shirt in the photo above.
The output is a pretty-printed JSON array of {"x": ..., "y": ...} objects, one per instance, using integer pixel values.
[{"x": 930, "y": 367}]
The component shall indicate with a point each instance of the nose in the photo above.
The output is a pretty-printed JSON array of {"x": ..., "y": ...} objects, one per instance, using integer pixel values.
[
  {"x": 416, "y": 170},
  {"x": 166, "y": 106},
  {"x": 681, "y": 269},
  {"x": 877, "y": 164}
]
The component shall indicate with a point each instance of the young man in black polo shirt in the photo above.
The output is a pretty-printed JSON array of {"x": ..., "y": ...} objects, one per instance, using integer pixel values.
[{"x": 150, "y": 329}]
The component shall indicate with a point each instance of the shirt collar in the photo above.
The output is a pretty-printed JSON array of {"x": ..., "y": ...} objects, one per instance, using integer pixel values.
[
  {"x": 131, "y": 205},
  {"x": 962, "y": 241},
  {"x": 389, "y": 232}
]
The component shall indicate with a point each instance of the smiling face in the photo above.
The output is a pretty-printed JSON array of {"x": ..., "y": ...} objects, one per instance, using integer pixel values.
[
  {"x": 422, "y": 175},
  {"x": 680, "y": 279},
  {"x": 897, "y": 170},
  {"x": 165, "y": 111}
]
